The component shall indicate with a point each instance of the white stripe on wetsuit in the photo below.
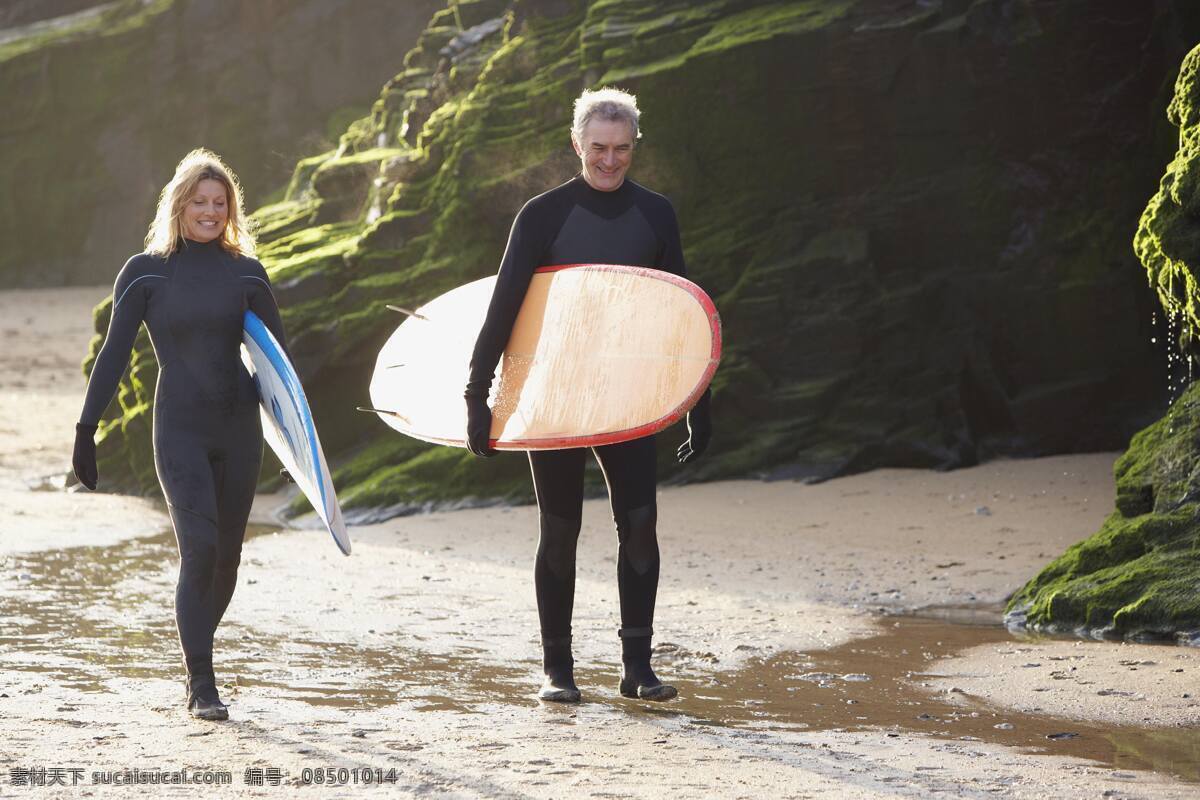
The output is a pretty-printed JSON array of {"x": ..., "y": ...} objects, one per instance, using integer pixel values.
[{"x": 131, "y": 285}]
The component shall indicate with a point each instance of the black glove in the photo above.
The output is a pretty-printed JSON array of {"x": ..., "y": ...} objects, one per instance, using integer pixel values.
[
  {"x": 287, "y": 476},
  {"x": 83, "y": 460},
  {"x": 479, "y": 426},
  {"x": 699, "y": 422}
]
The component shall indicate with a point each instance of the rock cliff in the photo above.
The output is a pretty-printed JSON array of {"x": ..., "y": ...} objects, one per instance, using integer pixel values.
[
  {"x": 102, "y": 99},
  {"x": 1137, "y": 576},
  {"x": 914, "y": 218}
]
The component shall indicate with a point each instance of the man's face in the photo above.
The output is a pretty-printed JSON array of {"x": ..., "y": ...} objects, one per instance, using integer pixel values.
[{"x": 606, "y": 151}]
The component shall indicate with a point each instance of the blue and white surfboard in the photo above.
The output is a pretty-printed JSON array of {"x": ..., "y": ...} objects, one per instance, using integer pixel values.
[{"x": 288, "y": 425}]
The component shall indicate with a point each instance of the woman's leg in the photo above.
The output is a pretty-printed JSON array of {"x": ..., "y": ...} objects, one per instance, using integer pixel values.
[
  {"x": 186, "y": 473},
  {"x": 236, "y": 478}
]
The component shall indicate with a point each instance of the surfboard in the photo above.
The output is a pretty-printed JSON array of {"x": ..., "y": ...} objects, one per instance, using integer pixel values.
[
  {"x": 598, "y": 354},
  {"x": 287, "y": 424}
]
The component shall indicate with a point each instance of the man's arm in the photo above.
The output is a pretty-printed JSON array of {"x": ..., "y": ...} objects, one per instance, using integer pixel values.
[
  {"x": 521, "y": 257},
  {"x": 670, "y": 253},
  {"x": 516, "y": 270},
  {"x": 670, "y": 259}
]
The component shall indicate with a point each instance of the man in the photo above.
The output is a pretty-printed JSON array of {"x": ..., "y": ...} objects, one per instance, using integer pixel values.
[{"x": 597, "y": 217}]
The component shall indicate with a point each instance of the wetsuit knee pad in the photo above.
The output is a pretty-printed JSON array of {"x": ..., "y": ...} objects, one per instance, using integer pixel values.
[
  {"x": 229, "y": 559},
  {"x": 559, "y": 539},
  {"x": 197, "y": 565},
  {"x": 197, "y": 538},
  {"x": 638, "y": 535}
]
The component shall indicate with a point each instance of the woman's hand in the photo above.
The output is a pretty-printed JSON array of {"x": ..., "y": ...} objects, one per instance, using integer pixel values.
[{"x": 83, "y": 459}]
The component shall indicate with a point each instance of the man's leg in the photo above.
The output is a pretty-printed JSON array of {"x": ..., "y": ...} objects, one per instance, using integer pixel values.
[
  {"x": 558, "y": 485},
  {"x": 630, "y": 471}
]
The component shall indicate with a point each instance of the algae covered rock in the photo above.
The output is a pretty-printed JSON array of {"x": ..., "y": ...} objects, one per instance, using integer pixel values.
[
  {"x": 1168, "y": 235},
  {"x": 907, "y": 229},
  {"x": 1139, "y": 575}
]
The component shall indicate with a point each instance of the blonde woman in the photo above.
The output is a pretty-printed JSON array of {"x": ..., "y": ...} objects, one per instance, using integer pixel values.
[{"x": 191, "y": 287}]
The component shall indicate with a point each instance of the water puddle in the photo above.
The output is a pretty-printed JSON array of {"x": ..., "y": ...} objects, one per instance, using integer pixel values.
[
  {"x": 81, "y": 616},
  {"x": 882, "y": 683}
]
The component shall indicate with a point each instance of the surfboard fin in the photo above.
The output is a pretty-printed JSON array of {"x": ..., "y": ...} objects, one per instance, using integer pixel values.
[
  {"x": 383, "y": 411},
  {"x": 408, "y": 313}
]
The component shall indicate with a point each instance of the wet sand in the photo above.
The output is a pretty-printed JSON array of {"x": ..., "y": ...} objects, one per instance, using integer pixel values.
[
  {"x": 44, "y": 335},
  {"x": 839, "y": 640}
]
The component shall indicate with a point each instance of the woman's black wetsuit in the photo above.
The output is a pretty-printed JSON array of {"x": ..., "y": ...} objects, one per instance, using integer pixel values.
[
  {"x": 576, "y": 224},
  {"x": 207, "y": 434}
]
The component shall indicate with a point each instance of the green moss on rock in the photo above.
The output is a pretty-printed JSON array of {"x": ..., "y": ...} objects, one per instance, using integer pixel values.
[
  {"x": 99, "y": 106},
  {"x": 398, "y": 475},
  {"x": 470, "y": 13},
  {"x": 114, "y": 19},
  {"x": 1138, "y": 576},
  {"x": 1168, "y": 235},
  {"x": 852, "y": 340}
]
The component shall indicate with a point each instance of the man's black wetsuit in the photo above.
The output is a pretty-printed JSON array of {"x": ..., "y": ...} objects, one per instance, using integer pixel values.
[
  {"x": 207, "y": 434},
  {"x": 576, "y": 224}
]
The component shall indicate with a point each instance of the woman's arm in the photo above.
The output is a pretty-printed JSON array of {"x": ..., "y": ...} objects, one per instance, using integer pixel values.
[
  {"x": 260, "y": 298},
  {"x": 128, "y": 311}
]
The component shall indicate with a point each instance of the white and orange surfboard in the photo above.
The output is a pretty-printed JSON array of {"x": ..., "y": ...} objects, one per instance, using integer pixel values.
[{"x": 599, "y": 354}]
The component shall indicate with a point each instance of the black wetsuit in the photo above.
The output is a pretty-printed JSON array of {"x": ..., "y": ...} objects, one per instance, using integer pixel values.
[
  {"x": 207, "y": 435},
  {"x": 576, "y": 224}
]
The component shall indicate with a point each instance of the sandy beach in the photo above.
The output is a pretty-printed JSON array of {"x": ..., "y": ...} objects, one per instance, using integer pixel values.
[{"x": 836, "y": 640}]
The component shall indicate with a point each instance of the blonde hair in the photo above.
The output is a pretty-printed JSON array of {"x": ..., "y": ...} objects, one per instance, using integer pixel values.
[{"x": 166, "y": 231}]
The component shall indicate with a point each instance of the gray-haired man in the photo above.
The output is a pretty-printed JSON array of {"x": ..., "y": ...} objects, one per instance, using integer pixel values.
[{"x": 597, "y": 217}]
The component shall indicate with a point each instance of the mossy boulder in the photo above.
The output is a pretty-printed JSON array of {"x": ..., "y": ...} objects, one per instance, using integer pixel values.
[
  {"x": 1139, "y": 575},
  {"x": 1168, "y": 235},
  {"x": 907, "y": 229}
]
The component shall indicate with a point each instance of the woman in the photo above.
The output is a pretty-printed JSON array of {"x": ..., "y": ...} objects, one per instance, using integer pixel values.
[{"x": 191, "y": 288}]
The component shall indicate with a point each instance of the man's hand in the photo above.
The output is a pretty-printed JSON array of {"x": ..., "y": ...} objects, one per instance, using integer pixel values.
[
  {"x": 83, "y": 459},
  {"x": 479, "y": 426},
  {"x": 699, "y": 422}
]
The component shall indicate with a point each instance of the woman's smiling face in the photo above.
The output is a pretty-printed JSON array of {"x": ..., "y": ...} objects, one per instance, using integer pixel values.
[{"x": 206, "y": 211}]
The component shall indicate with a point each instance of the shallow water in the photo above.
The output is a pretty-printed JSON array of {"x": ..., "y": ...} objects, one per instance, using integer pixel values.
[
  {"x": 877, "y": 683},
  {"x": 82, "y": 616}
]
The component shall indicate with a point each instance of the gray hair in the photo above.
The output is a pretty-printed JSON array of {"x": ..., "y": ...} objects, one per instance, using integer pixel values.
[{"x": 612, "y": 105}]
